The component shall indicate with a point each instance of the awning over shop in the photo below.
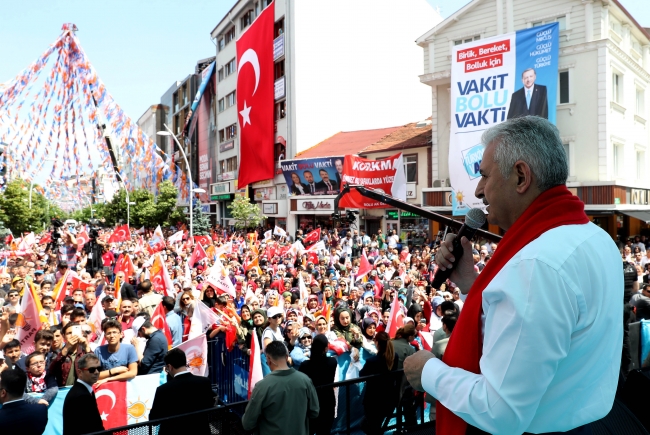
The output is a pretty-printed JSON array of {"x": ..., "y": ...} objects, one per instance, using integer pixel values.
[{"x": 643, "y": 216}]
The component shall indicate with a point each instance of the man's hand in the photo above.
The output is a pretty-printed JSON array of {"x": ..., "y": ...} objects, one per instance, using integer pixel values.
[
  {"x": 43, "y": 402},
  {"x": 413, "y": 366},
  {"x": 463, "y": 273}
]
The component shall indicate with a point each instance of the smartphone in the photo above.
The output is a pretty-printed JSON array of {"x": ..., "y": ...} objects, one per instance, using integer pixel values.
[{"x": 76, "y": 330}]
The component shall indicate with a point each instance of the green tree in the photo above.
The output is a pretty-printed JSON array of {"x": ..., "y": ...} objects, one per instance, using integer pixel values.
[
  {"x": 148, "y": 211},
  {"x": 200, "y": 222},
  {"x": 15, "y": 211},
  {"x": 245, "y": 213}
]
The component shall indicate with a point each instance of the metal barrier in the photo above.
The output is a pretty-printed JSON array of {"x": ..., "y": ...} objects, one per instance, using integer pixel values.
[
  {"x": 226, "y": 419},
  {"x": 228, "y": 371}
]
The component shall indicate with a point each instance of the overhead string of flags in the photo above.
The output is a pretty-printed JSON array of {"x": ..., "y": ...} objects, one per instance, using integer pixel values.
[{"x": 56, "y": 109}]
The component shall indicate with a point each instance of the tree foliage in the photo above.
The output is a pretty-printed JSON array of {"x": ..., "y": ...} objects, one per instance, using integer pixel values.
[
  {"x": 148, "y": 211},
  {"x": 245, "y": 213},
  {"x": 16, "y": 214},
  {"x": 201, "y": 222}
]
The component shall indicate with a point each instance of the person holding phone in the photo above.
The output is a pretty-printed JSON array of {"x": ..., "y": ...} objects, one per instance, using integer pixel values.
[{"x": 76, "y": 345}]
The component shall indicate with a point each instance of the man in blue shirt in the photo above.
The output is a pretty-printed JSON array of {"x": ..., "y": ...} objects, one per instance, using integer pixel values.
[
  {"x": 119, "y": 361},
  {"x": 173, "y": 321},
  {"x": 153, "y": 357}
]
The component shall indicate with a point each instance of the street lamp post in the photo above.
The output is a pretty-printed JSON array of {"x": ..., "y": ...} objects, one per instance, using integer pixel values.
[{"x": 168, "y": 132}]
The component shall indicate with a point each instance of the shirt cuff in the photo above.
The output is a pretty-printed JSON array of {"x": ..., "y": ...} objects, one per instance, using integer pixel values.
[{"x": 430, "y": 373}]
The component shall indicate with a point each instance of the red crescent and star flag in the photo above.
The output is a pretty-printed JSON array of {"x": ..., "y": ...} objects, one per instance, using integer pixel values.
[
  {"x": 121, "y": 234},
  {"x": 311, "y": 237},
  {"x": 255, "y": 99}
]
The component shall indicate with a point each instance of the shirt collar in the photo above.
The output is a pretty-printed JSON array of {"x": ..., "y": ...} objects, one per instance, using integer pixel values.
[
  {"x": 12, "y": 401},
  {"x": 186, "y": 372},
  {"x": 89, "y": 387}
]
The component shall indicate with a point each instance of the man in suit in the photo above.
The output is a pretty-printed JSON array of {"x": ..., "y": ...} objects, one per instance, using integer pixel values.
[
  {"x": 16, "y": 415},
  {"x": 326, "y": 185},
  {"x": 311, "y": 185},
  {"x": 338, "y": 164},
  {"x": 80, "y": 412},
  {"x": 529, "y": 100},
  {"x": 126, "y": 290},
  {"x": 182, "y": 394}
]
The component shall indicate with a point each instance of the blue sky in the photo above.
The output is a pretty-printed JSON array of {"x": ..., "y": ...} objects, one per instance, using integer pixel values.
[{"x": 139, "y": 47}]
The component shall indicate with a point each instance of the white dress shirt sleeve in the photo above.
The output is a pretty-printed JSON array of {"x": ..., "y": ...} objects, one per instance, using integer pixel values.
[{"x": 530, "y": 315}]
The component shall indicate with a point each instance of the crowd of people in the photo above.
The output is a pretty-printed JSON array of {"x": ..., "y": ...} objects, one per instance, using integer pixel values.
[{"x": 313, "y": 293}]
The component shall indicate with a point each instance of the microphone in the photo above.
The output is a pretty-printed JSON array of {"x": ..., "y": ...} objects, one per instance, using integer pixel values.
[{"x": 474, "y": 219}]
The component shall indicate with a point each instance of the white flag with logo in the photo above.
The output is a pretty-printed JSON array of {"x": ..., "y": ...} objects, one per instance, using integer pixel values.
[{"x": 196, "y": 352}]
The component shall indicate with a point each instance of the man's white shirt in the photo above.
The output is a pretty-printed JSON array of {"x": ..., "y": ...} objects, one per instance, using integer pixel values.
[{"x": 552, "y": 339}]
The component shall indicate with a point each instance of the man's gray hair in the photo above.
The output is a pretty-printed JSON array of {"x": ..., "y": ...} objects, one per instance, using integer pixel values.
[
  {"x": 533, "y": 140},
  {"x": 85, "y": 359}
]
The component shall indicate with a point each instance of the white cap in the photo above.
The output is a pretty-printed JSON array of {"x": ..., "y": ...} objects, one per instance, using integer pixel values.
[
  {"x": 273, "y": 311},
  {"x": 137, "y": 324}
]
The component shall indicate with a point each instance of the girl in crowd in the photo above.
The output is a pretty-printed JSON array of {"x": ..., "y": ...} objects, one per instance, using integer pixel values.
[
  {"x": 321, "y": 370},
  {"x": 343, "y": 327}
]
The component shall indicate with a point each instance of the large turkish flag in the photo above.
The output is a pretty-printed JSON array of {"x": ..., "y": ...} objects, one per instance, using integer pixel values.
[{"x": 255, "y": 99}]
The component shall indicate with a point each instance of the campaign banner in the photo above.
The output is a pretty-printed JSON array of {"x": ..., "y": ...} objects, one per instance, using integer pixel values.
[
  {"x": 317, "y": 176},
  {"x": 386, "y": 175},
  {"x": 492, "y": 80}
]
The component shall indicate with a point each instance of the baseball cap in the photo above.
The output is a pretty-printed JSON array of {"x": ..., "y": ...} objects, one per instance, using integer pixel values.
[
  {"x": 137, "y": 324},
  {"x": 38, "y": 272},
  {"x": 273, "y": 311}
]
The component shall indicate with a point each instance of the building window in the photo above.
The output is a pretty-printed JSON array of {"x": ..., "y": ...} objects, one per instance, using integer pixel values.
[
  {"x": 564, "y": 87},
  {"x": 228, "y": 165},
  {"x": 466, "y": 40},
  {"x": 222, "y": 135},
  {"x": 617, "y": 88},
  {"x": 279, "y": 27},
  {"x": 231, "y": 131},
  {"x": 221, "y": 105},
  {"x": 411, "y": 168},
  {"x": 231, "y": 99},
  {"x": 177, "y": 124},
  {"x": 220, "y": 74},
  {"x": 618, "y": 159},
  {"x": 221, "y": 43},
  {"x": 257, "y": 8},
  {"x": 175, "y": 101},
  {"x": 229, "y": 35},
  {"x": 640, "y": 165},
  {"x": 561, "y": 20},
  {"x": 640, "y": 101},
  {"x": 230, "y": 68},
  {"x": 279, "y": 69},
  {"x": 247, "y": 19},
  {"x": 280, "y": 109}
]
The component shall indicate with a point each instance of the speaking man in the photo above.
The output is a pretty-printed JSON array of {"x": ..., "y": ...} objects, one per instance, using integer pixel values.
[
  {"x": 80, "y": 412},
  {"x": 16, "y": 415},
  {"x": 529, "y": 100},
  {"x": 537, "y": 347}
]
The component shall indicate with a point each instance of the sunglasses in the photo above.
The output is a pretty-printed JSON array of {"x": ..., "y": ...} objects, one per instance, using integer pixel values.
[
  {"x": 277, "y": 316},
  {"x": 306, "y": 338},
  {"x": 185, "y": 299},
  {"x": 92, "y": 369}
]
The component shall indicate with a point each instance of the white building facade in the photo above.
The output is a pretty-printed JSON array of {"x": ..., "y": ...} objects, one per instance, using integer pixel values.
[
  {"x": 602, "y": 111},
  {"x": 339, "y": 66}
]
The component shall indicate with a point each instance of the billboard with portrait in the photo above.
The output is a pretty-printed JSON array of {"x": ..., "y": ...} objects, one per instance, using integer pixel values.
[
  {"x": 492, "y": 80},
  {"x": 316, "y": 176}
]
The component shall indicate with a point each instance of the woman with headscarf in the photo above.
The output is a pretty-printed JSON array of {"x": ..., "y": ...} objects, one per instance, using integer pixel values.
[
  {"x": 259, "y": 324},
  {"x": 321, "y": 370},
  {"x": 302, "y": 350},
  {"x": 245, "y": 330},
  {"x": 343, "y": 327},
  {"x": 381, "y": 393},
  {"x": 368, "y": 328},
  {"x": 323, "y": 327}
]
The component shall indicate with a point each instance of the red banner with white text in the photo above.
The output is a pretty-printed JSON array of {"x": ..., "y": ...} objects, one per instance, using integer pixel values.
[{"x": 386, "y": 175}]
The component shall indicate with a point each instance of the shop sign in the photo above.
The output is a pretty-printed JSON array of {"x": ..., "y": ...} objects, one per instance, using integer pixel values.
[
  {"x": 225, "y": 197},
  {"x": 638, "y": 196},
  {"x": 282, "y": 191},
  {"x": 411, "y": 190},
  {"x": 228, "y": 175},
  {"x": 278, "y": 47},
  {"x": 219, "y": 188},
  {"x": 205, "y": 208},
  {"x": 408, "y": 214},
  {"x": 227, "y": 146},
  {"x": 392, "y": 215},
  {"x": 279, "y": 88},
  {"x": 308, "y": 205},
  {"x": 264, "y": 193}
]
